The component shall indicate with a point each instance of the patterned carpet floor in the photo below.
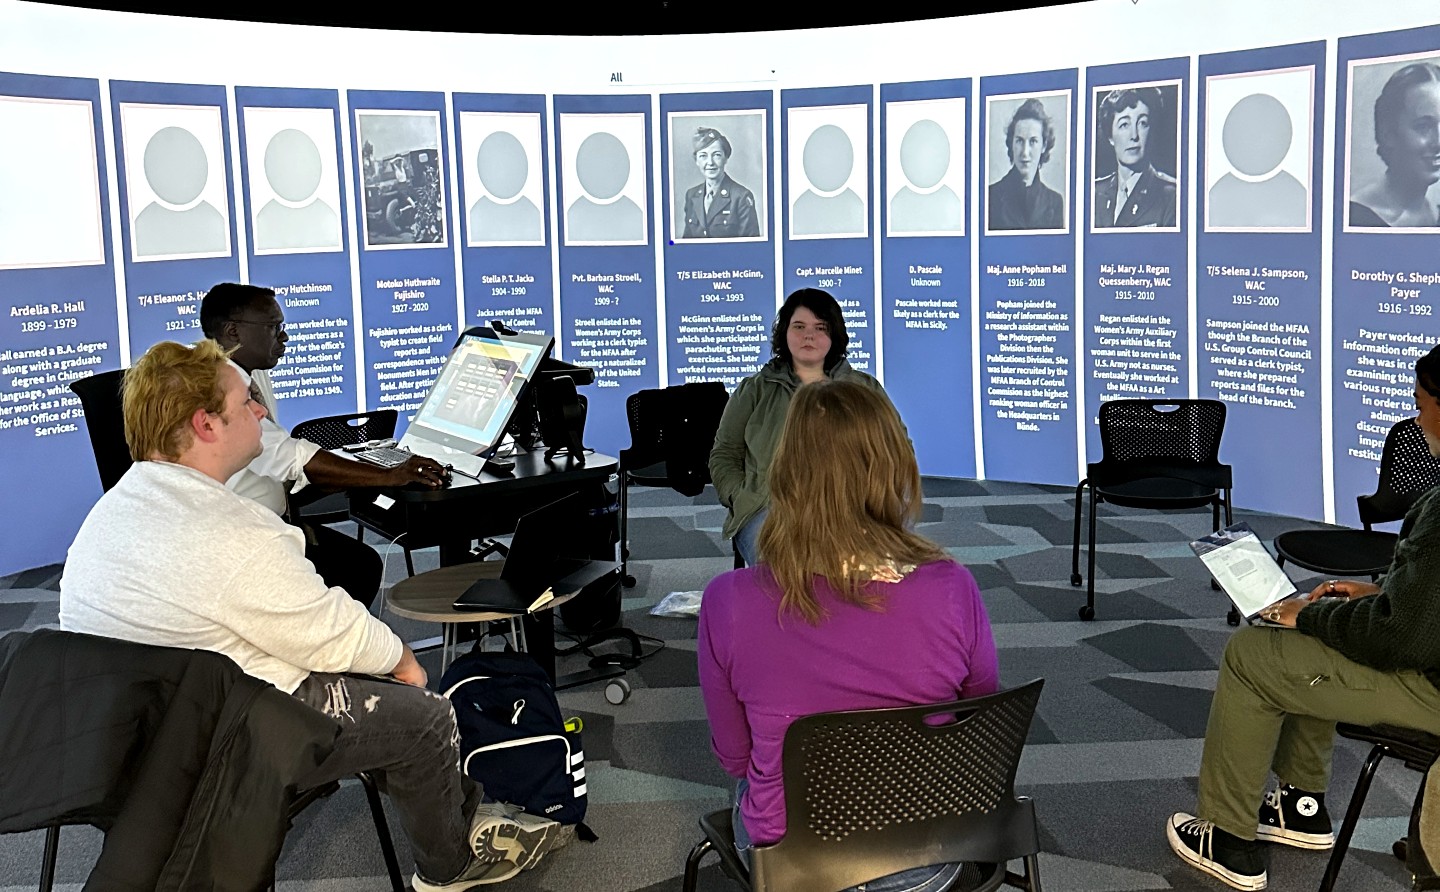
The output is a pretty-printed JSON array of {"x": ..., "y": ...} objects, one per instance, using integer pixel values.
[{"x": 1113, "y": 751}]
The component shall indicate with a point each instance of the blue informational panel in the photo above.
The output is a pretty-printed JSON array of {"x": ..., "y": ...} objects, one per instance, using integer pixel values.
[
  {"x": 1387, "y": 218},
  {"x": 503, "y": 144},
  {"x": 291, "y": 177},
  {"x": 406, "y": 237},
  {"x": 828, "y": 244},
  {"x": 57, "y": 300},
  {"x": 925, "y": 306},
  {"x": 1027, "y": 277},
  {"x": 607, "y": 254},
  {"x": 177, "y": 204},
  {"x": 1257, "y": 268},
  {"x": 1136, "y": 277},
  {"x": 720, "y": 285}
]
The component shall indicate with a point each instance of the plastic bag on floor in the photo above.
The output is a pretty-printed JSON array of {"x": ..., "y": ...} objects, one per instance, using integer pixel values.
[{"x": 678, "y": 604}]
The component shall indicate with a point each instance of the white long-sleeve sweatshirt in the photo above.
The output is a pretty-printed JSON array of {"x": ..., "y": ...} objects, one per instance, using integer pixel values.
[{"x": 172, "y": 557}]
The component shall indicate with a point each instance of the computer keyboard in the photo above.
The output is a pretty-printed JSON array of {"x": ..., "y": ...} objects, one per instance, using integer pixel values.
[{"x": 385, "y": 456}]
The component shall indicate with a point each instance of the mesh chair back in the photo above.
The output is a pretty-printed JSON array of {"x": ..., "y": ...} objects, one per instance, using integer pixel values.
[
  {"x": 1188, "y": 430},
  {"x": 647, "y": 436},
  {"x": 676, "y": 426},
  {"x": 1407, "y": 472},
  {"x": 334, "y": 431},
  {"x": 873, "y": 792},
  {"x": 105, "y": 420}
]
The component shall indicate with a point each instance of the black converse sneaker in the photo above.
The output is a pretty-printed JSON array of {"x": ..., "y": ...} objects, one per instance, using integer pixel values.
[
  {"x": 1295, "y": 817},
  {"x": 1233, "y": 861}
]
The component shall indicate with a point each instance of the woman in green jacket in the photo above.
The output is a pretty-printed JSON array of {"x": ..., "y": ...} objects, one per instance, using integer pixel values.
[{"x": 809, "y": 342}]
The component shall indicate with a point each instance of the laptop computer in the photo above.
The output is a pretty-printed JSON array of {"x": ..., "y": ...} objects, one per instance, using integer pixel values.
[
  {"x": 1248, "y": 575},
  {"x": 463, "y": 418},
  {"x": 541, "y": 565}
]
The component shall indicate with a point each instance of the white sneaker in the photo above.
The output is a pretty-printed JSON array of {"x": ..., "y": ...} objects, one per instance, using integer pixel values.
[
  {"x": 477, "y": 873},
  {"x": 505, "y": 833}
]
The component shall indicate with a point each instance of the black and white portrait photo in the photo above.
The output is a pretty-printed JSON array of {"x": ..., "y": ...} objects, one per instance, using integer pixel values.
[
  {"x": 404, "y": 195},
  {"x": 1027, "y": 153},
  {"x": 718, "y": 175},
  {"x": 1258, "y": 157},
  {"x": 1136, "y": 148},
  {"x": 1393, "y": 145}
]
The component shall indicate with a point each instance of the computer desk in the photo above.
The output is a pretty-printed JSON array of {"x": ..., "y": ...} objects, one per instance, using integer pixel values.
[{"x": 467, "y": 509}]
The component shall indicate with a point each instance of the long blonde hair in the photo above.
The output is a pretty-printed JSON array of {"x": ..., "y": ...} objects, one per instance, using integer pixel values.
[{"x": 844, "y": 490}]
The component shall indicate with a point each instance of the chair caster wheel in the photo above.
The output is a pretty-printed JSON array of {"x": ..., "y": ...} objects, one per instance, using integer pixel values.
[
  {"x": 1076, "y": 579},
  {"x": 1401, "y": 848},
  {"x": 617, "y": 691},
  {"x": 1087, "y": 613},
  {"x": 1233, "y": 617},
  {"x": 628, "y": 581},
  {"x": 1214, "y": 586}
]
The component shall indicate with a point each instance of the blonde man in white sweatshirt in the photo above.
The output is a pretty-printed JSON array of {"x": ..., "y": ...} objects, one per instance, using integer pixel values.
[{"x": 171, "y": 557}]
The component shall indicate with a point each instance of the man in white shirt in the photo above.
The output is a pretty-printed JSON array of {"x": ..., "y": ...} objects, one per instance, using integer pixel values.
[
  {"x": 171, "y": 557},
  {"x": 247, "y": 320}
]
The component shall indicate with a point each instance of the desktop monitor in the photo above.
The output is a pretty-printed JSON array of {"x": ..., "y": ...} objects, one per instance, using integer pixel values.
[{"x": 477, "y": 390}]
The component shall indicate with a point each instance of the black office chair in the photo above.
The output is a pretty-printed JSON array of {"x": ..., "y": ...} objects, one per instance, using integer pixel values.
[
  {"x": 671, "y": 434},
  {"x": 1417, "y": 749},
  {"x": 1407, "y": 472},
  {"x": 105, "y": 420},
  {"x": 873, "y": 792},
  {"x": 333, "y": 432},
  {"x": 1159, "y": 455},
  {"x": 149, "y": 695}
]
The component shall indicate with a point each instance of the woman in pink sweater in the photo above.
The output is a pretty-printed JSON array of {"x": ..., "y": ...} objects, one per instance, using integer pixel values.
[{"x": 848, "y": 608}]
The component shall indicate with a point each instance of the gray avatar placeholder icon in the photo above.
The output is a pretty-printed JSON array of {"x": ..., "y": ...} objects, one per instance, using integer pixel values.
[
  {"x": 1257, "y": 136},
  {"x": 177, "y": 170},
  {"x": 500, "y": 216},
  {"x": 925, "y": 159},
  {"x": 828, "y": 160},
  {"x": 603, "y": 167},
  {"x": 293, "y": 170}
]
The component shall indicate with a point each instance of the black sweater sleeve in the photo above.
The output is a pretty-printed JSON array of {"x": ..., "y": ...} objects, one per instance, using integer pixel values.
[{"x": 1400, "y": 627}]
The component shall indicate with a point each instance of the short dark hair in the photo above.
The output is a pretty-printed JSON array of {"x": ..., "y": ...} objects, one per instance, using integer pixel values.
[
  {"x": 1427, "y": 372},
  {"x": 704, "y": 136},
  {"x": 826, "y": 309},
  {"x": 1117, "y": 101},
  {"x": 1390, "y": 104},
  {"x": 222, "y": 302},
  {"x": 1031, "y": 109}
]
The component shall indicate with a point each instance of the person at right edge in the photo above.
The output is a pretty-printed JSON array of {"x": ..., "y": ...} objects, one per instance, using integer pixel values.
[
  {"x": 1364, "y": 653},
  {"x": 809, "y": 342}
]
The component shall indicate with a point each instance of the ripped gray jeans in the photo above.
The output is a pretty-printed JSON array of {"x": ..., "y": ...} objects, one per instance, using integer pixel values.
[{"x": 407, "y": 737}]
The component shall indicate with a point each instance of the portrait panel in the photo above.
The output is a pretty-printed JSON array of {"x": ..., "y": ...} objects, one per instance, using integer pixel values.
[
  {"x": 1258, "y": 150},
  {"x": 1035, "y": 129},
  {"x": 733, "y": 208}
]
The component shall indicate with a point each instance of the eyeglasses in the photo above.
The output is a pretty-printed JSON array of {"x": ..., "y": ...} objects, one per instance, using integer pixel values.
[{"x": 276, "y": 328}]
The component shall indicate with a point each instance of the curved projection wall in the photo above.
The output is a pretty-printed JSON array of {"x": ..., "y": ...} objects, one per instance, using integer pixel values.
[{"x": 1023, "y": 215}]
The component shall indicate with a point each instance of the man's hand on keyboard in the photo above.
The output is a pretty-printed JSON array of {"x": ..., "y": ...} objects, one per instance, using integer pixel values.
[{"x": 419, "y": 471}]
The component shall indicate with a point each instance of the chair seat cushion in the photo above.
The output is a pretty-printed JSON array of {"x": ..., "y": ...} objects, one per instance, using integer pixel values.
[
  {"x": 1338, "y": 552},
  {"x": 1157, "y": 493}
]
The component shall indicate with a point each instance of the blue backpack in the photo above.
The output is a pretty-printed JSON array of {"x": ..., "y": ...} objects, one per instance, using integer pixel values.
[{"x": 512, "y": 737}]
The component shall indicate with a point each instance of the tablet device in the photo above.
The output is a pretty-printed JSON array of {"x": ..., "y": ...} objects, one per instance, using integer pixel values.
[{"x": 1248, "y": 575}]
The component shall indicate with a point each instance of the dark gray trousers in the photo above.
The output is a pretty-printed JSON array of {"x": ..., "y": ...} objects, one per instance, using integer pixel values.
[{"x": 407, "y": 737}]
